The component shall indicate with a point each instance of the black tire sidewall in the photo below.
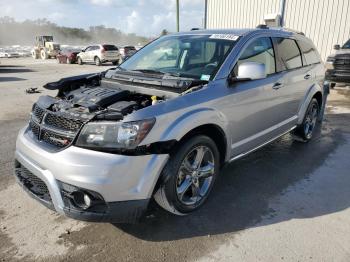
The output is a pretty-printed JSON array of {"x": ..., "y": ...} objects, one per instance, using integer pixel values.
[
  {"x": 97, "y": 61},
  {"x": 301, "y": 129},
  {"x": 173, "y": 165}
]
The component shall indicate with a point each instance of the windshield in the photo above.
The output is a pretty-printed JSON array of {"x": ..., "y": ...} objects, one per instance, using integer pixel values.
[
  {"x": 346, "y": 45},
  {"x": 192, "y": 56}
]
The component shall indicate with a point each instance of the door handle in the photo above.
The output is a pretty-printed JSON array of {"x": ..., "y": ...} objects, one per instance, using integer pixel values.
[
  {"x": 277, "y": 86},
  {"x": 307, "y": 76}
]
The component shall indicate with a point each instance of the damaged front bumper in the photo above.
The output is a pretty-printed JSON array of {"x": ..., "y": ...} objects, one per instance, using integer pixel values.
[{"x": 121, "y": 185}]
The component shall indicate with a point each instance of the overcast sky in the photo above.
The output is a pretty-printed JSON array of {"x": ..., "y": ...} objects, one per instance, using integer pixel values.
[{"x": 143, "y": 17}]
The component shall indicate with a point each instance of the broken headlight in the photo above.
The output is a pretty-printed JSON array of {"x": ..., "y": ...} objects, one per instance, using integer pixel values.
[{"x": 114, "y": 135}]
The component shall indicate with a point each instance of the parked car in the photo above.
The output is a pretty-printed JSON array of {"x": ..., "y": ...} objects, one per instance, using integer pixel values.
[
  {"x": 127, "y": 51},
  {"x": 68, "y": 56},
  {"x": 99, "y": 54},
  {"x": 338, "y": 65},
  {"x": 109, "y": 142},
  {"x": 9, "y": 54}
]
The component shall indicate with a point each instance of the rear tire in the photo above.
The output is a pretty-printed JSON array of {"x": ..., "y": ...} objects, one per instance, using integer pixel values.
[
  {"x": 189, "y": 176},
  {"x": 305, "y": 130},
  {"x": 80, "y": 61},
  {"x": 115, "y": 63},
  {"x": 97, "y": 61}
]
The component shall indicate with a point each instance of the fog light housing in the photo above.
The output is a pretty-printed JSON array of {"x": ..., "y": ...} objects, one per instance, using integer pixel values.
[{"x": 81, "y": 199}]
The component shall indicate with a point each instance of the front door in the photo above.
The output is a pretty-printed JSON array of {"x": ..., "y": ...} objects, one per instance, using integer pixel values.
[{"x": 255, "y": 106}]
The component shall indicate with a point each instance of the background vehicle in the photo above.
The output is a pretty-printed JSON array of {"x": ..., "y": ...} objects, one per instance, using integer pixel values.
[
  {"x": 127, "y": 51},
  {"x": 45, "y": 48},
  {"x": 338, "y": 65},
  {"x": 68, "y": 56},
  {"x": 163, "y": 126},
  {"x": 100, "y": 54},
  {"x": 9, "y": 54}
]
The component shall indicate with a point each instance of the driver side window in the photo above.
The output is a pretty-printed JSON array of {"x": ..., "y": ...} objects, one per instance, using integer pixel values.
[{"x": 261, "y": 51}]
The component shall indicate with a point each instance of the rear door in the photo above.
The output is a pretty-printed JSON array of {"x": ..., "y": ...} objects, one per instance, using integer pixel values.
[{"x": 296, "y": 77}]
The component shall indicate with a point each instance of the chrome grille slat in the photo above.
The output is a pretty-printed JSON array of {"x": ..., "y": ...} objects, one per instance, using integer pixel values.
[{"x": 56, "y": 130}]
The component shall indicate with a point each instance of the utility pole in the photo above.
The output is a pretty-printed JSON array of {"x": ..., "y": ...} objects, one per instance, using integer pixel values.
[
  {"x": 205, "y": 13},
  {"x": 177, "y": 16}
]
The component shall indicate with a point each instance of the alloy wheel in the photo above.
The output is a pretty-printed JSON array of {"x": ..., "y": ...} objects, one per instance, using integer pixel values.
[{"x": 195, "y": 175}]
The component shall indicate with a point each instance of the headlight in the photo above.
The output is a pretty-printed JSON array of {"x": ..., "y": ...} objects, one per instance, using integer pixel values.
[
  {"x": 114, "y": 135},
  {"x": 329, "y": 63}
]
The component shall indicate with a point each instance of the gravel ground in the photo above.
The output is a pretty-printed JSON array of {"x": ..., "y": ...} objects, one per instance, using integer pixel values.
[{"x": 285, "y": 202}]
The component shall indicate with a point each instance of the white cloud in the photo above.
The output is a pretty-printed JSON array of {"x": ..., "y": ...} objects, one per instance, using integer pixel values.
[
  {"x": 143, "y": 17},
  {"x": 102, "y": 2},
  {"x": 56, "y": 16}
]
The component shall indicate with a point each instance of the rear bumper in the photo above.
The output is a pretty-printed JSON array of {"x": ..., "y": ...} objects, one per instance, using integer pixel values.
[{"x": 125, "y": 183}]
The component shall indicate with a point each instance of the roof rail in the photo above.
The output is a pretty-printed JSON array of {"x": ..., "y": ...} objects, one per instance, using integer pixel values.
[
  {"x": 289, "y": 30},
  {"x": 262, "y": 26}
]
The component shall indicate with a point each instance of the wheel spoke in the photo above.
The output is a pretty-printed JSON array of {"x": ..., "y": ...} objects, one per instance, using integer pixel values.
[
  {"x": 187, "y": 166},
  {"x": 182, "y": 189},
  {"x": 196, "y": 190},
  {"x": 206, "y": 171},
  {"x": 199, "y": 156}
]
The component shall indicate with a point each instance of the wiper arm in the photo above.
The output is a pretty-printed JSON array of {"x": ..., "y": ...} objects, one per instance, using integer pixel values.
[{"x": 152, "y": 71}]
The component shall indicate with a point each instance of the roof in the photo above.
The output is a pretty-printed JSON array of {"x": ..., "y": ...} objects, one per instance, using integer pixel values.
[{"x": 240, "y": 32}]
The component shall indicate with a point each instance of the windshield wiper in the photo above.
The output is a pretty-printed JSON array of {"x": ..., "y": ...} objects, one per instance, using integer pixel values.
[{"x": 151, "y": 71}]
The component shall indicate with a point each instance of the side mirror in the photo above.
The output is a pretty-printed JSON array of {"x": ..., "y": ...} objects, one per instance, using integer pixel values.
[
  {"x": 336, "y": 47},
  {"x": 251, "y": 71}
]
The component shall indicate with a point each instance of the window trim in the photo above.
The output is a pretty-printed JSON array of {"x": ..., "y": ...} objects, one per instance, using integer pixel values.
[
  {"x": 280, "y": 63},
  {"x": 245, "y": 47},
  {"x": 303, "y": 56}
]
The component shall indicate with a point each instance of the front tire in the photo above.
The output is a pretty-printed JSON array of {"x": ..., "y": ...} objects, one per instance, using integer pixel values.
[
  {"x": 306, "y": 129},
  {"x": 189, "y": 176},
  {"x": 80, "y": 61},
  {"x": 43, "y": 55}
]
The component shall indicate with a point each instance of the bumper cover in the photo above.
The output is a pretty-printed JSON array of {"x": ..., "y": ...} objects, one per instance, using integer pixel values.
[{"x": 126, "y": 183}]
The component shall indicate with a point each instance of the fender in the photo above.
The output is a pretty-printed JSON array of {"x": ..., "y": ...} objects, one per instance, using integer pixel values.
[
  {"x": 193, "y": 119},
  {"x": 306, "y": 101}
]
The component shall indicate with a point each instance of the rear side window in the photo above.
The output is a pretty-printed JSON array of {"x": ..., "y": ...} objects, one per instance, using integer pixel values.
[
  {"x": 310, "y": 55},
  {"x": 261, "y": 51},
  {"x": 110, "y": 48},
  {"x": 288, "y": 52}
]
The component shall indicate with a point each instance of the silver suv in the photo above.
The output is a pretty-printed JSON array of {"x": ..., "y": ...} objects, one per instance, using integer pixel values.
[
  {"x": 99, "y": 54},
  {"x": 161, "y": 126}
]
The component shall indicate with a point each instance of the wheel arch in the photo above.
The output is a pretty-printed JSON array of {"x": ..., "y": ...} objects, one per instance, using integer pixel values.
[
  {"x": 214, "y": 132},
  {"x": 315, "y": 91}
]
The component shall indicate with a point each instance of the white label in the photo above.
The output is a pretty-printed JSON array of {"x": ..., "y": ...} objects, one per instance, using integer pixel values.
[{"x": 225, "y": 37}]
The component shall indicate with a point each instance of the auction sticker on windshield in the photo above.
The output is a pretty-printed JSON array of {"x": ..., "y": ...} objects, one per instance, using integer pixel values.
[{"x": 225, "y": 37}]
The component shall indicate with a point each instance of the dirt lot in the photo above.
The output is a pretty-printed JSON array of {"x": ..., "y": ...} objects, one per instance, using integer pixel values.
[{"x": 286, "y": 202}]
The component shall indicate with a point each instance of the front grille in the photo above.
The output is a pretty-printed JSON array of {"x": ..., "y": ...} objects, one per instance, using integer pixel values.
[
  {"x": 56, "y": 130},
  {"x": 32, "y": 183},
  {"x": 342, "y": 62},
  {"x": 35, "y": 128},
  {"x": 38, "y": 112},
  {"x": 55, "y": 139},
  {"x": 62, "y": 122}
]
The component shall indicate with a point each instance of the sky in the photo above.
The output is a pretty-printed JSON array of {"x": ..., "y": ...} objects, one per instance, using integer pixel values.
[{"x": 143, "y": 17}]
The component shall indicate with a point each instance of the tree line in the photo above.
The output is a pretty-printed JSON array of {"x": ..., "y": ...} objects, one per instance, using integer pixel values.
[{"x": 23, "y": 33}]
